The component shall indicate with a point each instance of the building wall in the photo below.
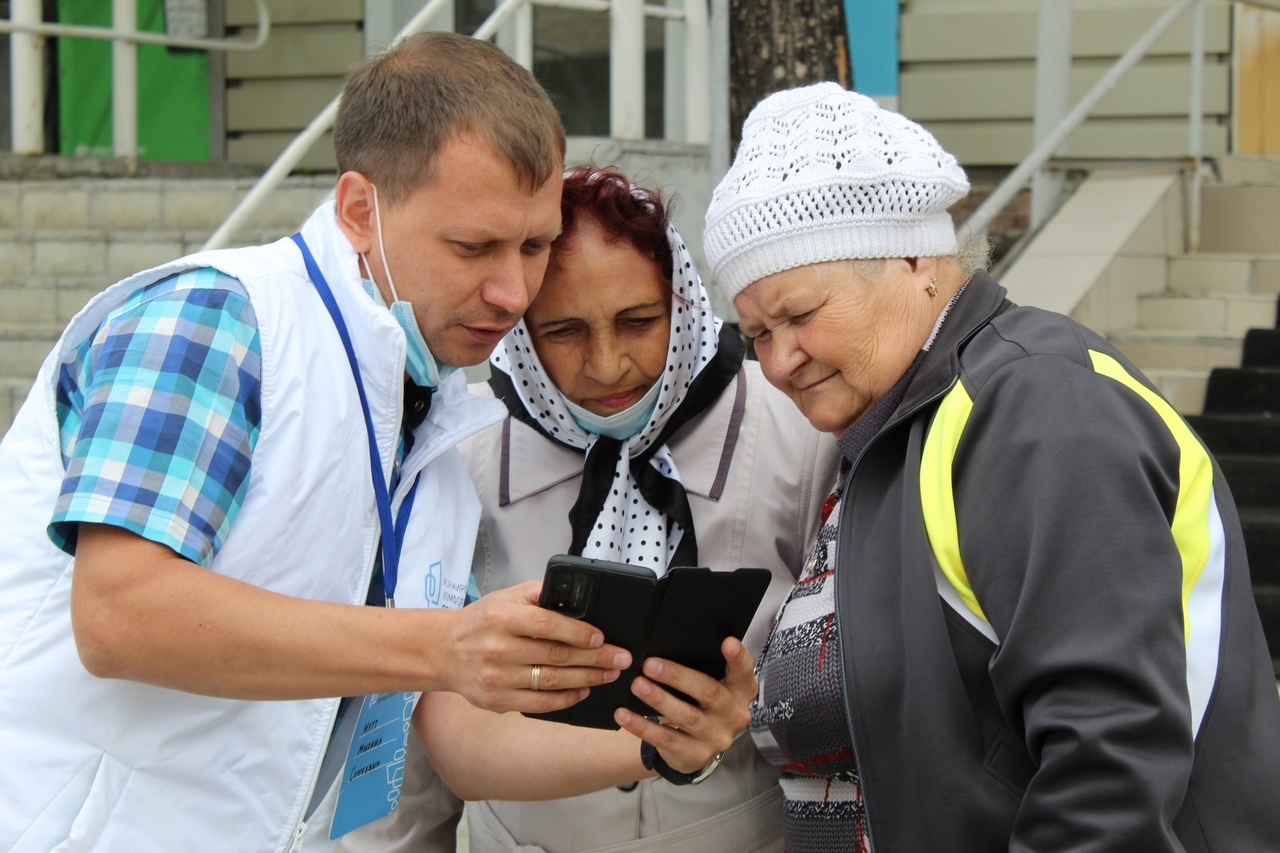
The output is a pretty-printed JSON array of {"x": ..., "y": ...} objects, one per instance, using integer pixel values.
[
  {"x": 274, "y": 92},
  {"x": 968, "y": 74}
]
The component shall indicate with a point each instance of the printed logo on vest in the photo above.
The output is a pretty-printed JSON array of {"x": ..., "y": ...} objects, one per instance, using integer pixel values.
[{"x": 434, "y": 581}]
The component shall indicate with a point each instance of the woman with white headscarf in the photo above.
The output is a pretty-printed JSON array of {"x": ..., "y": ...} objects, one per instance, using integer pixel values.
[{"x": 637, "y": 434}]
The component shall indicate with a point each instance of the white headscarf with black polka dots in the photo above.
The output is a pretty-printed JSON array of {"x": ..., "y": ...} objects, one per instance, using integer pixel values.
[{"x": 628, "y": 529}]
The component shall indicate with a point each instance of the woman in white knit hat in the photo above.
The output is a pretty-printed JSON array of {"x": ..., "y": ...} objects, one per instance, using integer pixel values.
[{"x": 1027, "y": 623}]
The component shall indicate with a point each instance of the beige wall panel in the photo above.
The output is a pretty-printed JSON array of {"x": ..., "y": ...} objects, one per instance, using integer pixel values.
[
  {"x": 960, "y": 92},
  {"x": 1257, "y": 99},
  {"x": 306, "y": 51},
  {"x": 946, "y": 6},
  {"x": 1005, "y": 143},
  {"x": 242, "y": 13},
  {"x": 1249, "y": 82},
  {"x": 1271, "y": 90},
  {"x": 287, "y": 105},
  {"x": 261, "y": 149},
  {"x": 1011, "y": 34}
]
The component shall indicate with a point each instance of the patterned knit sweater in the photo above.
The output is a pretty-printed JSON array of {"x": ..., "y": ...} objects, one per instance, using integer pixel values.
[{"x": 798, "y": 718}]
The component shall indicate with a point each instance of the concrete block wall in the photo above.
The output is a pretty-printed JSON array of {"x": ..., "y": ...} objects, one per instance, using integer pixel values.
[{"x": 63, "y": 241}]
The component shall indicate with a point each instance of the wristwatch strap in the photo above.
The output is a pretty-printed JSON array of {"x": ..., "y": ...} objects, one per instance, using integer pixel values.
[{"x": 651, "y": 760}]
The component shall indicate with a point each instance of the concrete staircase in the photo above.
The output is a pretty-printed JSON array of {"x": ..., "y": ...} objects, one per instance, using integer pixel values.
[
  {"x": 1113, "y": 257},
  {"x": 62, "y": 241},
  {"x": 1213, "y": 298}
]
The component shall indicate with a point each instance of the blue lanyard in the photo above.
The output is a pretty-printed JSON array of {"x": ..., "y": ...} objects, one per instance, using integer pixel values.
[{"x": 392, "y": 533}]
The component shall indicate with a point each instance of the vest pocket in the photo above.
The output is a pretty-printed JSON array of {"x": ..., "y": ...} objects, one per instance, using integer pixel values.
[{"x": 104, "y": 793}]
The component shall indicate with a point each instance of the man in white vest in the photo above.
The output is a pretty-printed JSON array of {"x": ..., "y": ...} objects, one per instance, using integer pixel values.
[{"x": 226, "y": 459}]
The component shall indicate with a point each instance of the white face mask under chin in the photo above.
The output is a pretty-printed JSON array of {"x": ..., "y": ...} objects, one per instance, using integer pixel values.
[{"x": 419, "y": 363}]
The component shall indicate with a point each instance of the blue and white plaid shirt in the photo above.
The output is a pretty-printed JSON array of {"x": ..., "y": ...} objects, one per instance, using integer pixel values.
[{"x": 159, "y": 411}]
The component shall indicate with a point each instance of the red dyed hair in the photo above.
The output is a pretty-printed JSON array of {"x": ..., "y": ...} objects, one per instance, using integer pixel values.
[{"x": 623, "y": 211}]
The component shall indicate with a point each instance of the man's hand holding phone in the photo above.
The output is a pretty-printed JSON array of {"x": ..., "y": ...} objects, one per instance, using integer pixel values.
[{"x": 507, "y": 654}]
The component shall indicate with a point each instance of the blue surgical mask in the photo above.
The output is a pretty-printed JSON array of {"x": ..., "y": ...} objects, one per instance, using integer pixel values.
[
  {"x": 619, "y": 425},
  {"x": 419, "y": 363}
]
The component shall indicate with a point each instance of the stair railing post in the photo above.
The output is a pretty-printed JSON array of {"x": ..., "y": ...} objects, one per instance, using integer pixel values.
[
  {"x": 515, "y": 36},
  {"x": 626, "y": 69},
  {"x": 1052, "y": 99},
  {"x": 1195, "y": 126},
  {"x": 719, "y": 75},
  {"x": 124, "y": 82},
  {"x": 675, "y": 76},
  {"x": 697, "y": 69},
  {"x": 26, "y": 71}
]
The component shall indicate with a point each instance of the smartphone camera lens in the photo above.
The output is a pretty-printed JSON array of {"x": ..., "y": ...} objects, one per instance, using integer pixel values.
[
  {"x": 563, "y": 587},
  {"x": 578, "y": 600}
]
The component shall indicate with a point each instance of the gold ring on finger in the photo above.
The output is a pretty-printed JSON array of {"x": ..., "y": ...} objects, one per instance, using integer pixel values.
[{"x": 535, "y": 676}]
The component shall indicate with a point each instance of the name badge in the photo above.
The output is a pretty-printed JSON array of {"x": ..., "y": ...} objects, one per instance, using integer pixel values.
[{"x": 374, "y": 769}]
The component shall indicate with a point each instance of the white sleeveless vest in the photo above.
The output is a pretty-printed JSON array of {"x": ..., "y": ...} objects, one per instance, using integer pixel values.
[{"x": 107, "y": 765}]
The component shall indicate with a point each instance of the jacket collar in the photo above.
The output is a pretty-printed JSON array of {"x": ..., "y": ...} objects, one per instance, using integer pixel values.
[
  {"x": 380, "y": 347},
  {"x": 531, "y": 463},
  {"x": 982, "y": 299}
]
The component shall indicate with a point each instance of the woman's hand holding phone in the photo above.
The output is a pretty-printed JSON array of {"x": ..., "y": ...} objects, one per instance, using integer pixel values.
[{"x": 690, "y": 735}]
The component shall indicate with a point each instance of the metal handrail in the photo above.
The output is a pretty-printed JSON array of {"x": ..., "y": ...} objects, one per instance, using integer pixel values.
[
  {"x": 139, "y": 37},
  {"x": 1040, "y": 154},
  {"x": 301, "y": 144}
]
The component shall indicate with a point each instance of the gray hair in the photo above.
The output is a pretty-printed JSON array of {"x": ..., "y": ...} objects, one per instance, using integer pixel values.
[{"x": 973, "y": 254}]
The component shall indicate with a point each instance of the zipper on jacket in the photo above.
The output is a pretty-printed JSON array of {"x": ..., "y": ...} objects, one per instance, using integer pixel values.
[
  {"x": 845, "y": 509},
  {"x": 299, "y": 835}
]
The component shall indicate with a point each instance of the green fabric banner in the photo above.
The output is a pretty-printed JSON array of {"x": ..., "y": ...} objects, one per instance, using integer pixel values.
[{"x": 173, "y": 90}]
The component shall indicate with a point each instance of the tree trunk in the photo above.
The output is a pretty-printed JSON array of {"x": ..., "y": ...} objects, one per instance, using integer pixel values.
[{"x": 778, "y": 44}]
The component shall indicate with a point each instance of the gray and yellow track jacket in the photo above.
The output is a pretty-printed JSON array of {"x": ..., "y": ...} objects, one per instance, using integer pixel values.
[{"x": 1049, "y": 637}]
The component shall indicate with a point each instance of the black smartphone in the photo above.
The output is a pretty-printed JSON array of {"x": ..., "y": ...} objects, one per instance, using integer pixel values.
[
  {"x": 618, "y": 599},
  {"x": 683, "y": 617}
]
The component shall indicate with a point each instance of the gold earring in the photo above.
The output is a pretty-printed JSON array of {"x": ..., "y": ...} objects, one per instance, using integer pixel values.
[{"x": 933, "y": 287}]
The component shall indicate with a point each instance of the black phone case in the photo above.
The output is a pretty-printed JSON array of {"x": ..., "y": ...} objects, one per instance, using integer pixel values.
[{"x": 682, "y": 617}]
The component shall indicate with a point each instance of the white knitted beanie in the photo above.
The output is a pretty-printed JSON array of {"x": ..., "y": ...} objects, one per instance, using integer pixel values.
[{"x": 824, "y": 174}]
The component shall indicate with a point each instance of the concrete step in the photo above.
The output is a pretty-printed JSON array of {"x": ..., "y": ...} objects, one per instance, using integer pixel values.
[
  {"x": 153, "y": 203},
  {"x": 111, "y": 254},
  {"x": 1267, "y": 597},
  {"x": 1262, "y": 543},
  {"x": 1244, "y": 390},
  {"x": 1249, "y": 170},
  {"x": 1183, "y": 388},
  {"x": 1174, "y": 348},
  {"x": 1225, "y": 271},
  {"x": 1238, "y": 433},
  {"x": 1254, "y": 478},
  {"x": 1261, "y": 348},
  {"x": 1240, "y": 218},
  {"x": 1208, "y": 312}
]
